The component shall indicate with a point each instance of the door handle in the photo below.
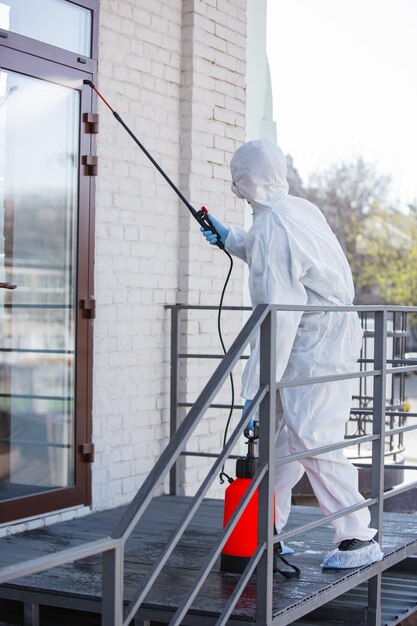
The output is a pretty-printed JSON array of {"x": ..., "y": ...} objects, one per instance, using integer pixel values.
[{"x": 8, "y": 285}]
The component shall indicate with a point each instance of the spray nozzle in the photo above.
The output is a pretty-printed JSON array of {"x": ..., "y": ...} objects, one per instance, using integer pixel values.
[
  {"x": 202, "y": 217},
  {"x": 251, "y": 431}
]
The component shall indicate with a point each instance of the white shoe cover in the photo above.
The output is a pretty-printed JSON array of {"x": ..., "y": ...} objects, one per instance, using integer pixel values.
[
  {"x": 345, "y": 559},
  {"x": 286, "y": 549}
]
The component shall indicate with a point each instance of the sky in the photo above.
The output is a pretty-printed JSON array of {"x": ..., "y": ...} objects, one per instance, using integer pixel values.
[{"x": 344, "y": 82}]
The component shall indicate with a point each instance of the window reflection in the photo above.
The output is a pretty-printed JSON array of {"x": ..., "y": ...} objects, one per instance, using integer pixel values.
[
  {"x": 39, "y": 134},
  {"x": 57, "y": 22}
]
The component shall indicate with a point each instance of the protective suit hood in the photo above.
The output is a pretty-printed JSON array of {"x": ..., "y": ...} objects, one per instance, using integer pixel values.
[{"x": 259, "y": 173}]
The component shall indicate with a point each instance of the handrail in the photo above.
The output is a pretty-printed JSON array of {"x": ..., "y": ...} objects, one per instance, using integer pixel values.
[
  {"x": 191, "y": 509},
  {"x": 168, "y": 457},
  {"x": 48, "y": 561},
  {"x": 379, "y": 375},
  {"x": 112, "y": 547},
  {"x": 359, "y": 308},
  {"x": 112, "y": 605},
  {"x": 287, "y": 534},
  {"x": 178, "y": 441}
]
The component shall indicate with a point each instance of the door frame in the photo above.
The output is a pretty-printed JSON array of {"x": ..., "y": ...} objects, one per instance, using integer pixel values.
[{"x": 42, "y": 61}]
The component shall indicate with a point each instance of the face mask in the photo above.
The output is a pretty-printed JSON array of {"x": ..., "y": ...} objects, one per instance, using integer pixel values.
[{"x": 236, "y": 191}]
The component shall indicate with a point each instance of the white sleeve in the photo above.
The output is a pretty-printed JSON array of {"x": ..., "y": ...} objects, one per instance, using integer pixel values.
[
  {"x": 236, "y": 242},
  {"x": 273, "y": 279}
]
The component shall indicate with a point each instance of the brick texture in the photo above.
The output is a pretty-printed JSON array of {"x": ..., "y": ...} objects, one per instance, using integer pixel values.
[
  {"x": 175, "y": 71},
  {"x": 212, "y": 114}
]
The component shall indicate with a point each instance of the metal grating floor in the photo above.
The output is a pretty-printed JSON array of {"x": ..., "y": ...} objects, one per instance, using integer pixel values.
[{"x": 78, "y": 586}]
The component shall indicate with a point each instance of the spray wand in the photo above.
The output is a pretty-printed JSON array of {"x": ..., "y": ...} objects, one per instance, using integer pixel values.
[
  {"x": 202, "y": 215},
  {"x": 203, "y": 219}
]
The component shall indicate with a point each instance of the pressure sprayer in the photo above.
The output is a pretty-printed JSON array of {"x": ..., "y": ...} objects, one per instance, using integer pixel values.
[{"x": 243, "y": 541}]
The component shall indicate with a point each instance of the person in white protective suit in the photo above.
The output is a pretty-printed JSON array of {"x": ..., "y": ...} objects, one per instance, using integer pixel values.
[{"x": 295, "y": 258}]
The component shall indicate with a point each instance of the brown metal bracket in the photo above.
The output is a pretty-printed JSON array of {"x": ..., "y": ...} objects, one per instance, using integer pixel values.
[
  {"x": 89, "y": 306},
  {"x": 91, "y": 123},
  {"x": 90, "y": 164},
  {"x": 87, "y": 452}
]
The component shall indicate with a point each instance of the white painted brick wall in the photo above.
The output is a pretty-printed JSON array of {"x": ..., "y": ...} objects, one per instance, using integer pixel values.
[
  {"x": 136, "y": 269},
  {"x": 213, "y": 127}
]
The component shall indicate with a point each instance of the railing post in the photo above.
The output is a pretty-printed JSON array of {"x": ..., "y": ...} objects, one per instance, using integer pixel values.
[
  {"x": 31, "y": 614},
  {"x": 378, "y": 446},
  {"x": 378, "y": 424},
  {"x": 267, "y": 376},
  {"x": 174, "y": 393},
  {"x": 112, "y": 587}
]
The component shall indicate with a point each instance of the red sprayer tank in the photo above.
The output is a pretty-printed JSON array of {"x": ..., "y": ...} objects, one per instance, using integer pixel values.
[{"x": 243, "y": 541}]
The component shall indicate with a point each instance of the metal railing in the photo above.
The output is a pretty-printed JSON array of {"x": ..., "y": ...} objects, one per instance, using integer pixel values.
[
  {"x": 360, "y": 422},
  {"x": 262, "y": 320}
]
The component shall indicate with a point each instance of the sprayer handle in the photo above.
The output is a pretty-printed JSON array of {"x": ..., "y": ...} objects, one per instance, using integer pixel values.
[{"x": 203, "y": 219}]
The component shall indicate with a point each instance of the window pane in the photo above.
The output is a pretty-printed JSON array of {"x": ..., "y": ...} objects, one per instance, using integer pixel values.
[
  {"x": 56, "y": 22},
  {"x": 39, "y": 156}
]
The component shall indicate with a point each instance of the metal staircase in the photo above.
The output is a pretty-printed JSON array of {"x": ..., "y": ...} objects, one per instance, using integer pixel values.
[{"x": 116, "y": 610}]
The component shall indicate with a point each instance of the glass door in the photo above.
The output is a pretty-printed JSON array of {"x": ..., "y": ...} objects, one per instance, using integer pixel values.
[{"x": 41, "y": 328}]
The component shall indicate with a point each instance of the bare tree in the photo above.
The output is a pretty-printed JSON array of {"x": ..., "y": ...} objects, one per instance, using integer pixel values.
[
  {"x": 295, "y": 182},
  {"x": 348, "y": 193},
  {"x": 379, "y": 241}
]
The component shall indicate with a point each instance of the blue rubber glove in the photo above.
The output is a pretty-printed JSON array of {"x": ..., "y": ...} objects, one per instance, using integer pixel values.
[
  {"x": 221, "y": 229},
  {"x": 250, "y": 426},
  {"x": 246, "y": 407}
]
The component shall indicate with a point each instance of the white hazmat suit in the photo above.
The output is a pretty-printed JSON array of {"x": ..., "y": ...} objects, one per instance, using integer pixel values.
[{"x": 295, "y": 258}]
